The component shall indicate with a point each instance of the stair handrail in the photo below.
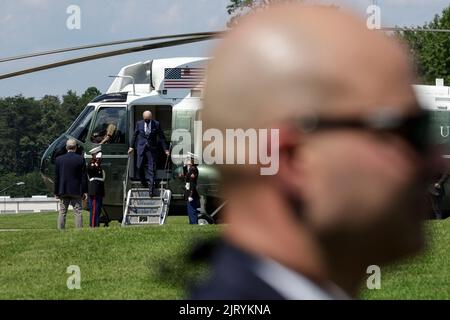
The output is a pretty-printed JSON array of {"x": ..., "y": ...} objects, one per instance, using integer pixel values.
[
  {"x": 166, "y": 171},
  {"x": 126, "y": 182},
  {"x": 127, "y": 205}
]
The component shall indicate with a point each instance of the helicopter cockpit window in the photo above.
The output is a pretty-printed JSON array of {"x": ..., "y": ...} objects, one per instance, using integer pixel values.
[
  {"x": 109, "y": 126},
  {"x": 80, "y": 128}
]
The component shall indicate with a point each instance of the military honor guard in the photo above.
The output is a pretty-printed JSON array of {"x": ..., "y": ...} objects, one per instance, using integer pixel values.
[
  {"x": 192, "y": 195},
  {"x": 96, "y": 187}
]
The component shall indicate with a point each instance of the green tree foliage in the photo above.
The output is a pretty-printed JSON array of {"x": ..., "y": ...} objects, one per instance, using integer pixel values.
[
  {"x": 431, "y": 50},
  {"x": 239, "y": 8},
  {"x": 27, "y": 127},
  {"x": 88, "y": 95}
]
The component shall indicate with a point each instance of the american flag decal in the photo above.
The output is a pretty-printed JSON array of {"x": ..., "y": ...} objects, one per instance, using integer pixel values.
[{"x": 184, "y": 78}]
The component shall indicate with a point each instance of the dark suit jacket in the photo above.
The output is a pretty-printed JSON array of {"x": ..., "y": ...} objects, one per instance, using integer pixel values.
[
  {"x": 233, "y": 278},
  {"x": 142, "y": 142},
  {"x": 70, "y": 175}
]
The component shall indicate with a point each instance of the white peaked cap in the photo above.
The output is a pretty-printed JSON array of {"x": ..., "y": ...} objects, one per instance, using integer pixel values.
[
  {"x": 192, "y": 155},
  {"x": 95, "y": 150}
]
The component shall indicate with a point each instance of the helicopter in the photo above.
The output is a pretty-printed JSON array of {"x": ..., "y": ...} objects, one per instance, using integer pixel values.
[
  {"x": 175, "y": 102},
  {"x": 138, "y": 87}
]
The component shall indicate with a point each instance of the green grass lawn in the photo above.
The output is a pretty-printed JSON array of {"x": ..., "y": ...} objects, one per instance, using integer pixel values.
[
  {"x": 149, "y": 262},
  {"x": 115, "y": 262},
  {"x": 424, "y": 277}
]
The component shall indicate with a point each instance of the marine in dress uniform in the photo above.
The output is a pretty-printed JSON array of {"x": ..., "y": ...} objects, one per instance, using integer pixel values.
[
  {"x": 96, "y": 187},
  {"x": 192, "y": 195}
]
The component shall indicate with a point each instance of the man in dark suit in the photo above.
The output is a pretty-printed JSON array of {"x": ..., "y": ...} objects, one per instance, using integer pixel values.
[
  {"x": 349, "y": 187},
  {"x": 70, "y": 184},
  {"x": 148, "y": 136}
]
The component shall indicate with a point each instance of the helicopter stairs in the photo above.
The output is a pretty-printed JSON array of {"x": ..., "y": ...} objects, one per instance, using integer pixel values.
[{"x": 142, "y": 209}]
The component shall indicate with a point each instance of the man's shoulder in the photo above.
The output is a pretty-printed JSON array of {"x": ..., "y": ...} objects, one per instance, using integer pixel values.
[
  {"x": 233, "y": 277},
  {"x": 61, "y": 157},
  {"x": 74, "y": 155}
]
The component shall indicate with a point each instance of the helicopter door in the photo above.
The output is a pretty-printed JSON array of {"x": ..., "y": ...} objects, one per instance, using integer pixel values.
[{"x": 110, "y": 132}]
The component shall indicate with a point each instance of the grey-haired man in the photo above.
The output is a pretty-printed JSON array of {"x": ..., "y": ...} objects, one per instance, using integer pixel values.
[{"x": 70, "y": 184}]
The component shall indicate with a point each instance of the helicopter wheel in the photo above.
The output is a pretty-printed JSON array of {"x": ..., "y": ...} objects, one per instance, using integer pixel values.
[
  {"x": 104, "y": 218},
  {"x": 203, "y": 219},
  {"x": 210, "y": 209}
]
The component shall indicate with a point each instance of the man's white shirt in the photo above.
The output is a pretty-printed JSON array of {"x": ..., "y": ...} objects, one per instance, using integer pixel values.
[{"x": 292, "y": 285}]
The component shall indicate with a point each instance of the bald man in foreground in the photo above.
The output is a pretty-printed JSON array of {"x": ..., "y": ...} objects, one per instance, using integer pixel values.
[{"x": 353, "y": 164}]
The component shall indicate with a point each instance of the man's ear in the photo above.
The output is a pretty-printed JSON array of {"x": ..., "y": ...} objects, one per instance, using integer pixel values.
[{"x": 290, "y": 141}]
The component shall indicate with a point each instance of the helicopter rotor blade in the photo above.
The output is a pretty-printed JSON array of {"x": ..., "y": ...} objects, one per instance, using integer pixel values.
[
  {"x": 185, "y": 39},
  {"x": 112, "y": 43},
  {"x": 107, "y": 54},
  {"x": 104, "y": 44}
]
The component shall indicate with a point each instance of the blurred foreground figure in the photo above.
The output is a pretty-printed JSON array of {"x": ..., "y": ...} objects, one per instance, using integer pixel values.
[{"x": 351, "y": 187}]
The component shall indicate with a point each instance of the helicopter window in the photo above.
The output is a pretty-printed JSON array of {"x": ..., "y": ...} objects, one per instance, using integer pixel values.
[
  {"x": 109, "y": 126},
  {"x": 80, "y": 128}
]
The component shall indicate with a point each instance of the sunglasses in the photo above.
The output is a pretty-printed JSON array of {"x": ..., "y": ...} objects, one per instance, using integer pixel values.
[{"x": 415, "y": 129}]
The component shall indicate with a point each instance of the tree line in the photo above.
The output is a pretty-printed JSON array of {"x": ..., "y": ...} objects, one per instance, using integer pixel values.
[
  {"x": 27, "y": 127},
  {"x": 430, "y": 50}
]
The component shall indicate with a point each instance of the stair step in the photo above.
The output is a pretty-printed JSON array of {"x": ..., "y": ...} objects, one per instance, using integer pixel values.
[
  {"x": 143, "y": 220},
  {"x": 144, "y": 206},
  {"x": 143, "y": 194},
  {"x": 145, "y": 198},
  {"x": 143, "y": 214}
]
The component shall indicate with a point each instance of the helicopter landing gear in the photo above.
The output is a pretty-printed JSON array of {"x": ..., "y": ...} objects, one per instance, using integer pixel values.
[
  {"x": 204, "y": 218},
  {"x": 104, "y": 218},
  {"x": 209, "y": 210}
]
